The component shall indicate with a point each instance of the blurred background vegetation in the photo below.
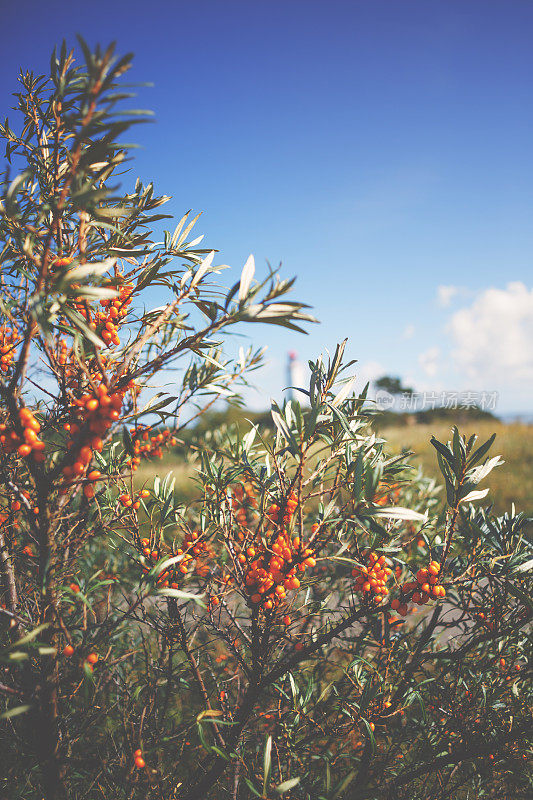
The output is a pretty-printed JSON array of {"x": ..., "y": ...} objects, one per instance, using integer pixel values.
[{"x": 513, "y": 482}]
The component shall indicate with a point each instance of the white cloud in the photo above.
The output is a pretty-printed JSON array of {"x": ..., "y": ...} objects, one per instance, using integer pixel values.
[
  {"x": 445, "y": 295},
  {"x": 409, "y": 331},
  {"x": 367, "y": 372},
  {"x": 428, "y": 360},
  {"x": 493, "y": 337}
]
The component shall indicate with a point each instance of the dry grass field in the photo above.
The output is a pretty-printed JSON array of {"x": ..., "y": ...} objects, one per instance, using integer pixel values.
[{"x": 512, "y": 482}]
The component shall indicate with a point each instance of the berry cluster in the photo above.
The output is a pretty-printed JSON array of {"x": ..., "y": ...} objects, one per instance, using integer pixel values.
[
  {"x": 193, "y": 550},
  {"x": 147, "y": 446},
  {"x": 271, "y": 572},
  {"x": 61, "y": 262},
  {"x": 128, "y": 501},
  {"x": 29, "y": 443},
  {"x": 488, "y": 616},
  {"x": 275, "y": 511},
  {"x": 90, "y": 660},
  {"x": 426, "y": 585},
  {"x": 387, "y": 494},
  {"x": 8, "y": 340},
  {"x": 94, "y": 414},
  {"x": 107, "y": 323},
  {"x": 372, "y": 578},
  {"x": 243, "y": 499}
]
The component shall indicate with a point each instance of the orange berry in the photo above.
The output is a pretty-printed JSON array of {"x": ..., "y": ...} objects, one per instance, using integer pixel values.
[
  {"x": 30, "y": 436},
  {"x": 86, "y": 454},
  {"x": 74, "y": 588},
  {"x": 139, "y": 762},
  {"x": 68, "y": 650},
  {"x": 92, "y": 658}
]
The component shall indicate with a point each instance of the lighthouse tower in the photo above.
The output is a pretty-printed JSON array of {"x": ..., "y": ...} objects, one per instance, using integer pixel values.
[{"x": 295, "y": 376}]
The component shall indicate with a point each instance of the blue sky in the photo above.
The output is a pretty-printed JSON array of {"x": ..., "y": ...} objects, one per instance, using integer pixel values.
[{"x": 380, "y": 150}]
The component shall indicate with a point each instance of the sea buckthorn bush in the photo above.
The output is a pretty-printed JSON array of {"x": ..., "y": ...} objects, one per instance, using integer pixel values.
[{"x": 320, "y": 621}]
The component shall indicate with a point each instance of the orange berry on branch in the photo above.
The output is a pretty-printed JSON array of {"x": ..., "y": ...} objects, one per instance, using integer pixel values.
[{"x": 85, "y": 454}]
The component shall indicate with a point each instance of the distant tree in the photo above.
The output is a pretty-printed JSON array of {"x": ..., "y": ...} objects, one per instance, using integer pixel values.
[{"x": 393, "y": 385}]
